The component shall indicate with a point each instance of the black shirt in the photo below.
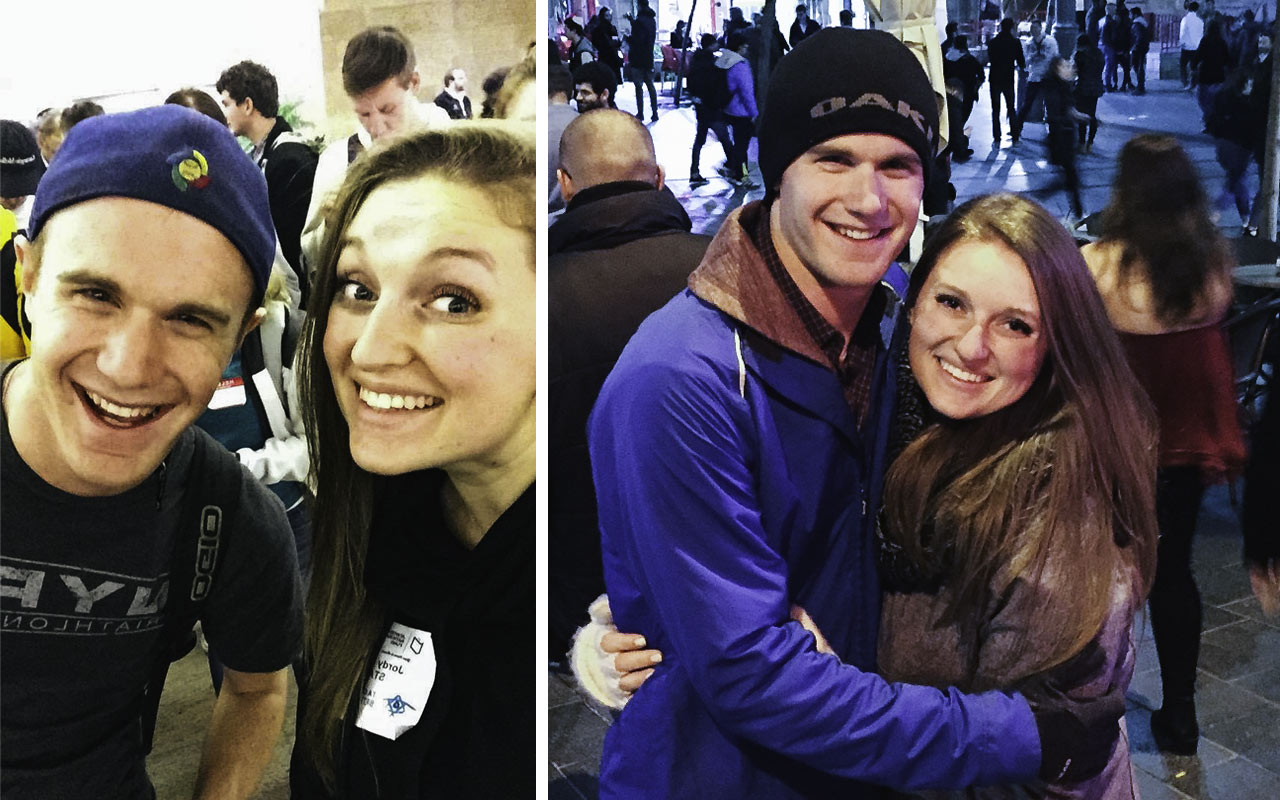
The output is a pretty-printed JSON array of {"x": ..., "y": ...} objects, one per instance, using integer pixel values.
[
  {"x": 86, "y": 583},
  {"x": 476, "y": 737}
]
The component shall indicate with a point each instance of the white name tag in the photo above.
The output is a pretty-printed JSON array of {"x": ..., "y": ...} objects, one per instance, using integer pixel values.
[
  {"x": 399, "y": 683},
  {"x": 230, "y": 392}
]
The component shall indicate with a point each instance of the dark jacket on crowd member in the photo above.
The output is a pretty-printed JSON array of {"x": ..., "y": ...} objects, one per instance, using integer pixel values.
[
  {"x": 289, "y": 165},
  {"x": 734, "y": 24},
  {"x": 1116, "y": 33},
  {"x": 1089, "y": 63},
  {"x": 798, "y": 34},
  {"x": 1092, "y": 20},
  {"x": 604, "y": 37},
  {"x": 644, "y": 31},
  {"x": 963, "y": 66},
  {"x": 707, "y": 84},
  {"x": 1232, "y": 116},
  {"x": 451, "y": 104},
  {"x": 1140, "y": 34},
  {"x": 1215, "y": 56},
  {"x": 1004, "y": 51},
  {"x": 620, "y": 251}
]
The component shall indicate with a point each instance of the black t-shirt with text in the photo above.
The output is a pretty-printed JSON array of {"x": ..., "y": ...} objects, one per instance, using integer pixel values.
[{"x": 84, "y": 583}]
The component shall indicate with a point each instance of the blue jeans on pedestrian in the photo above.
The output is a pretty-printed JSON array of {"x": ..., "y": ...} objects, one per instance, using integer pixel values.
[{"x": 1234, "y": 159}]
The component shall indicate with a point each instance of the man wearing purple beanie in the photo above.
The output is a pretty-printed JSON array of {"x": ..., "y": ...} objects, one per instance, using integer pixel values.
[
  {"x": 730, "y": 447},
  {"x": 145, "y": 264}
]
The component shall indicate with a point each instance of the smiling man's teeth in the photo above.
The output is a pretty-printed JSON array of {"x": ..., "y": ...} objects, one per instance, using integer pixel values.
[
  {"x": 956, "y": 372},
  {"x": 124, "y": 412},
  {"x": 382, "y": 400},
  {"x": 852, "y": 233}
]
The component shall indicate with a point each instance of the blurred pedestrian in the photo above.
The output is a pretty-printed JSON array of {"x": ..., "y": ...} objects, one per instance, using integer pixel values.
[{"x": 1088, "y": 67}]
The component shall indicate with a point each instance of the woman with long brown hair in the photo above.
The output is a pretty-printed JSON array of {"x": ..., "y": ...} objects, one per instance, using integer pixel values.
[
  {"x": 418, "y": 373},
  {"x": 1164, "y": 273},
  {"x": 1017, "y": 530}
]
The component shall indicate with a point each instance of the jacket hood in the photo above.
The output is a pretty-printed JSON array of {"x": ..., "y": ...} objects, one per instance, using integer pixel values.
[
  {"x": 614, "y": 214},
  {"x": 733, "y": 278},
  {"x": 728, "y": 58}
]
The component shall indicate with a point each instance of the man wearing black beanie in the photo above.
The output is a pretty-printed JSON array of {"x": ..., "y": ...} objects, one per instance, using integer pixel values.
[{"x": 737, "y": 452}]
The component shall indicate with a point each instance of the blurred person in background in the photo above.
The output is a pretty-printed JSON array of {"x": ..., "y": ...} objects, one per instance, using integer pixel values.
[
  {"x": 251, "y": 100},
  {"x": 1164, "y": 272},
  {"x": 380, "y": 77},
  {"x": 1088, "y": 62}
]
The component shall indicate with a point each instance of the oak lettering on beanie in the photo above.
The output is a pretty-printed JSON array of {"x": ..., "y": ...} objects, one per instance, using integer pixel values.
[
  {"x": 171, "y": 156},
  {"x": 840, "y": 81}
]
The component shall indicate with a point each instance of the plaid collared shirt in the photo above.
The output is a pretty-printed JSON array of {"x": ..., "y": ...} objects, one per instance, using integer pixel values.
[{"x": 853, "y": 365}]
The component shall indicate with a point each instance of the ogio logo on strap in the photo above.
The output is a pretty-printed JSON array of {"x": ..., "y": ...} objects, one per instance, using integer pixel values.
[{"x": 206, "y": 551}]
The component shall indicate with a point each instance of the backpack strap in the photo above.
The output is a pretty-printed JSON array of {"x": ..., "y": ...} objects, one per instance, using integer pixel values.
[
  {"x": 211, "y": 499},
  {"x": 252, "y": 362}
]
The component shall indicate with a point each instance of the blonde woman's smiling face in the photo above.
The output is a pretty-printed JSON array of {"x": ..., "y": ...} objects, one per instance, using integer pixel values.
[
  {"x": 976, "y": 342},
  {"x": 431, "y": 337}
]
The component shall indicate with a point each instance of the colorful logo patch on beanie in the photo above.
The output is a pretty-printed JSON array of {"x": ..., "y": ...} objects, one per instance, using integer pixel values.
[{"x": 189, "y": 169}]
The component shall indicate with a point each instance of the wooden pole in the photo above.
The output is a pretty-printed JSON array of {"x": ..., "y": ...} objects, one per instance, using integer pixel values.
[{"x": 681, "y": 61}]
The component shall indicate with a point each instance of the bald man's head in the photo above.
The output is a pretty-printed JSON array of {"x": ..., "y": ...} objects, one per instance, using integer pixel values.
[{"x": 606, "y": 146}]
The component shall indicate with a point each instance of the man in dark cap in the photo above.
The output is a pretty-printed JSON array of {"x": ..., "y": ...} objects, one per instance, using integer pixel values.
[
  {"x": 20, "y": 169},
  {"x": 144, "y": 265},
  {"x": 730, "y": 447}
]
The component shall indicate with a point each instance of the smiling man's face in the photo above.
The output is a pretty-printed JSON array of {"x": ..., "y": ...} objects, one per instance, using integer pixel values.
[
  {"x": 845, "y": 209},
  {"x": 136, "y": 310}
]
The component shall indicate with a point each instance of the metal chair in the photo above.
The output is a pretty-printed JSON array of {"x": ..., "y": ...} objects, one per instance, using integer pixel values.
[{"x": 670, "y": 64}]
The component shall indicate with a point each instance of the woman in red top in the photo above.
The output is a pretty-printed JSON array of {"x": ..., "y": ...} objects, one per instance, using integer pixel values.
[{"x": 1164, "y": 273}]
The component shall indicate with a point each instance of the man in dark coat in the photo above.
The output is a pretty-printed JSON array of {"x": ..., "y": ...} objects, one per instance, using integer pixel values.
[
  {"x": 1140, "y": 35},
  {"x": 709, "y": 88},
  {"x": 453, "y": 98},
  {"x": 736, "y": 22},
  {"x": 803, "y": 27},
  {"x": 644, "y": 31},
  {"x": 961, "y": 67},
  {"x": 619, "y": 252},
  {"x": 1004, "y": 51},
  {"x": 1094, "y": 18},
  {"x": 1121, "y": 35},
  {"x": 250, "y": 100},
  {"x": 604, "y": 36}
]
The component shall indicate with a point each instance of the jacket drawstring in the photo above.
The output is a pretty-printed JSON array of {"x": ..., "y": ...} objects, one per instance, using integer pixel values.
[{"x": 742, "y": 365}]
